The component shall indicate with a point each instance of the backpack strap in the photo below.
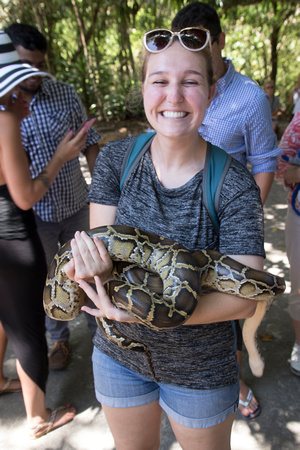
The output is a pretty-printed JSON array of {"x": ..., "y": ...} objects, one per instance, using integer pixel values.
[
  {"x": 133, "y": 155},
  {"x": 216, "y": 166}
]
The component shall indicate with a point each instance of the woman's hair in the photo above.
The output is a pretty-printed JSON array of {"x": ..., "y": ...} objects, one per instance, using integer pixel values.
[{"x": 205, "y": 53}]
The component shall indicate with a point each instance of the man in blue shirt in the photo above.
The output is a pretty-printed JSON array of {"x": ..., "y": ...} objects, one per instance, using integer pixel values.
[
  {"x": 239, "y": 121},
  {"x": 54, "y": 110}
]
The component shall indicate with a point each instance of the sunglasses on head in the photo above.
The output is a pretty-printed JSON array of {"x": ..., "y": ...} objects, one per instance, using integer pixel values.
[{"x": 193, "y": 39}]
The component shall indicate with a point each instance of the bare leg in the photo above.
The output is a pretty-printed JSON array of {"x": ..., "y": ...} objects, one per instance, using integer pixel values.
[
  {"x": 135, "y": 428},
  {"x": 244, "y": 390},
  {"x": 3, "y": 345},
  {"x": 34, "y": 400},
  {"x": 296, "y": 326},
  {"x": 214, "y": 438},
  {"x": 15, "y": 384}
]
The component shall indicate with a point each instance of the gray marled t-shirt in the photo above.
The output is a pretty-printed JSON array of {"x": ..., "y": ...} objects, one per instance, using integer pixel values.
[{"x": 198, "y": 356}]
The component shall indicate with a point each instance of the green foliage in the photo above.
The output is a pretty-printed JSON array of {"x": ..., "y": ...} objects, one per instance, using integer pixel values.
[
  {"x": 249, "y": 33},
  {"x": 96, "y": 45}
]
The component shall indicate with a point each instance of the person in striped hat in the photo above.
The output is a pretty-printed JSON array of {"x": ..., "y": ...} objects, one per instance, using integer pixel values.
[
  {"x": 55, "y": 108},
  {"x": 12, "y": 71},
  {"x": 22, "y": 261}
]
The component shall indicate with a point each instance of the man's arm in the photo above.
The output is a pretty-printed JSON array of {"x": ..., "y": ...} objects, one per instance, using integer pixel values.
[{"x": 264, "y": 182}]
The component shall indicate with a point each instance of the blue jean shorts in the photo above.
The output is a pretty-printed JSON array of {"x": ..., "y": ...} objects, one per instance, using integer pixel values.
[{"x": 119, "y": 387}]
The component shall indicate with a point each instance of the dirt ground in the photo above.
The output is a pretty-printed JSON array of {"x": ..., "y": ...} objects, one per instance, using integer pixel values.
[{"x": 118, "y": 129}]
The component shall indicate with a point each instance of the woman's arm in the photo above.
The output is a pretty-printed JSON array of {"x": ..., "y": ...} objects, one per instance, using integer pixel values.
[
  {"x": 264, "y": 181},
  {"x": 218, "y": 307},
  {"x": 211, "y": 308},
  {"x": 292, "y": 175},
  {"x": 14, "y": 162},
  {"x": 102, "y": 215}
]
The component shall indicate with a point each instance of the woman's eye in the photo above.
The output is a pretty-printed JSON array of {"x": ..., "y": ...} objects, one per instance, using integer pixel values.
[
  {"x": 159, "y": 82},
  {"x": 190, "y": 82}
]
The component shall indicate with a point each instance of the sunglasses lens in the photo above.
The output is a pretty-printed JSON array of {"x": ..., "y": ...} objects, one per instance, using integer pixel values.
[
  {"x": 193, "y": 38},
  {"x": 157, "y": 40}
]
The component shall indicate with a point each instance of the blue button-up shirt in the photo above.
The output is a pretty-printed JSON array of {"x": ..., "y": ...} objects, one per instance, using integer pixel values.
[
  {"x": 239, "y": 121},
  {"x": 55, "y": 110}
]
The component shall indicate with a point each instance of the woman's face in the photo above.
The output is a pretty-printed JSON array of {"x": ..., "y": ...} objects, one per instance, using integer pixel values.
[{"x": 176, "y": 91}]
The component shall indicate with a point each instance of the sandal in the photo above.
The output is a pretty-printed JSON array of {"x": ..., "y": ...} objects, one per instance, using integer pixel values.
[
  {"x": 7, "y": 388},
  {"x": 39, "y": 430},
  {"x": 246, "y": 404}
]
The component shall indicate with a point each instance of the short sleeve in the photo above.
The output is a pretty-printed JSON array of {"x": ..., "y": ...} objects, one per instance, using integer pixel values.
[{"x": 105, "y": 186}]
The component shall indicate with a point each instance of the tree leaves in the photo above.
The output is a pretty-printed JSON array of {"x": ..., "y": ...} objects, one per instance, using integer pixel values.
[{"x": 96, "y": 45}]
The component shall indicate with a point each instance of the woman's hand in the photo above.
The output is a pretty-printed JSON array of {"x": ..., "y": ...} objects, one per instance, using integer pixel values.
[
  {"x": 104, "y": 306},
  {"x": 71, "y": 145},
  {"x": 18, "y": 105},
  {"x": 90, "y": 258},
  {"x": 292, "y": 175}
]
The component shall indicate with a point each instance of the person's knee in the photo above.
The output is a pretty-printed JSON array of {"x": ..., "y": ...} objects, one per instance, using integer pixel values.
[{"x": 212, "y": 438}]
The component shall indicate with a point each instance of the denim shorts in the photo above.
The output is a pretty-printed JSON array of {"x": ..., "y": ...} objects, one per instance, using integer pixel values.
[{"x": 119, "y": 387}]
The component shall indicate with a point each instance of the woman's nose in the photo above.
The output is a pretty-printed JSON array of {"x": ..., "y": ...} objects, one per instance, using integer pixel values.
[{"x": 175, "y": 93}]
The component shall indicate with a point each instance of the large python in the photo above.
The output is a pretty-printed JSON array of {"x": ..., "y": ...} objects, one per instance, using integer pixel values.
[{"x": 159, "y": 282}]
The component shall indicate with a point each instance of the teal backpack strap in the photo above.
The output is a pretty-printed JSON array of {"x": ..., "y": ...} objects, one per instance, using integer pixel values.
[
  {"x": 133, "y": 155},
  {"x": 216, "y": 166}
]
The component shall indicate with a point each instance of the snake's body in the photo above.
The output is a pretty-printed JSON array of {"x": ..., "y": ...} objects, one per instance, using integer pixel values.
[{"x": 159, "y": 282}]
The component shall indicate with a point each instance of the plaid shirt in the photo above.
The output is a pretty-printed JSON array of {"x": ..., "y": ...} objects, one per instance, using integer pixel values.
[
  {"x": 239, "y": 121},
  {"x": 55, "y": 110}
]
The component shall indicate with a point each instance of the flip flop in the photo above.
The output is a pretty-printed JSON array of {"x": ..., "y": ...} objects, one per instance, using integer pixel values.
[
  {"x": 246, "y": 404},
  {"x": 7, "y": 389},
  {"x": 39, "y": 430}
]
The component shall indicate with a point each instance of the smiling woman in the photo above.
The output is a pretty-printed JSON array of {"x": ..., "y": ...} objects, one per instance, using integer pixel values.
[
  {"x": 195, "y": 365},
  {"x": 177, "y": 91}
]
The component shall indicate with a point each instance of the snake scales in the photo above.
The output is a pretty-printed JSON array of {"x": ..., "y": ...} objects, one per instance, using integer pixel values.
[{"x": 157, "y": 281}]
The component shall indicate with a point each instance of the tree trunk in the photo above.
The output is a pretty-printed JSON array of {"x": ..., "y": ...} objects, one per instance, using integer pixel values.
[{"x": 87, "y": 58}]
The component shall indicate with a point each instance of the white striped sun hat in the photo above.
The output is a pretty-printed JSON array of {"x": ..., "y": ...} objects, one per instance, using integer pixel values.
[{"x": 12, "y": 71}]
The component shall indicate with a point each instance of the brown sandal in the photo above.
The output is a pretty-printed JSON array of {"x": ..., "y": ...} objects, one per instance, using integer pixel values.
[{"x": 39, "y": 430}]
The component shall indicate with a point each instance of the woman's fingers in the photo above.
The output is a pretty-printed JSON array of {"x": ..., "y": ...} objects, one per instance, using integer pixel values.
[
  {"x": 99, "y": 297},
  {"x": 94, "y": 296},
  {"x": 102, "y": 301},
  {"x": 69, "y": 269},
  {"x": 92, "y": 246},
  {"x": 86, "y": 253},
  {"x": 89, "y": 259},
  {"x": 102, "y": 249},
  {"x": 84, "y": 264}
]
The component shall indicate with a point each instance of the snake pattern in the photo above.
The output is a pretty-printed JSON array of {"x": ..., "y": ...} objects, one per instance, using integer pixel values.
[{"x": 159, "y": 282}]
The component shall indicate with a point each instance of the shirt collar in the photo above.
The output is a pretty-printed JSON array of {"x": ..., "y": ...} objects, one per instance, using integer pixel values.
[
  {"x": 44, "y": 90},
  {"x": 225, "y": 80}
]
